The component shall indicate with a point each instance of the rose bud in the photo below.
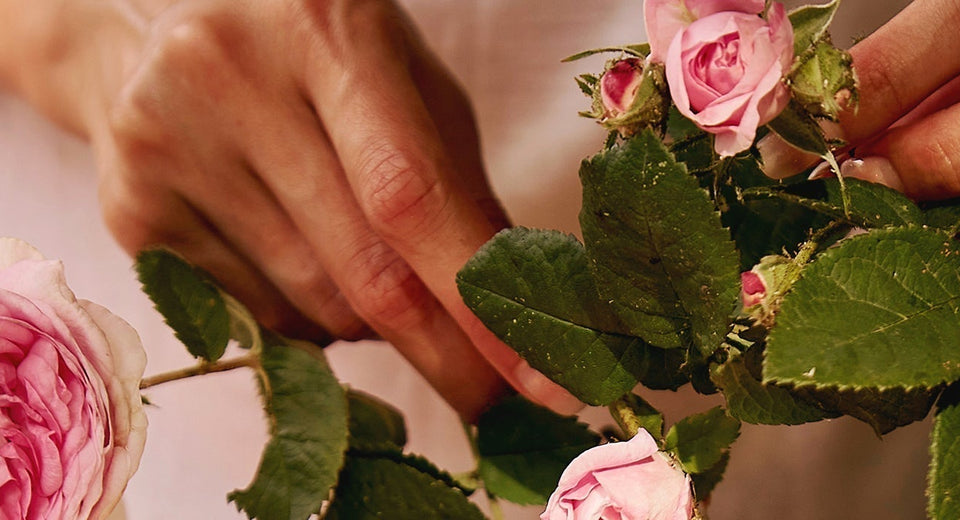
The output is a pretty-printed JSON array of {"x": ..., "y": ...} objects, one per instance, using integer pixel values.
[
  {"x": 619, "y": 86},
  {"x": 629, "y": 480},
  {"x": 753, "y": 289},
  {"x": 71, "y": 417},
  {"x": 628, "y": 96},
  {"x": 763, "y": 286}
]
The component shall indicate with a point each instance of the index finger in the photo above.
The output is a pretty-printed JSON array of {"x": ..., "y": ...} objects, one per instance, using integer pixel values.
[{"x": 407, "y": 186}]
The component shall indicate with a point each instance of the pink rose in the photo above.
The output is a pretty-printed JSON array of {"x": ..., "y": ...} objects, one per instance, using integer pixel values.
[
  {"x": 624, "y": 481},
  {"x": 752, "y": 288},
  {"x": 664, "y": 19},
  {"x": 619, "y": 86},
  {"x": 71, "y": 419},
  {"x": 724, "y": 67}
]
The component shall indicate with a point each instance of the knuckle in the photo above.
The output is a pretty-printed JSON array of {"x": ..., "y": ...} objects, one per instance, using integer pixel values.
[
  {"x": 398, "y": 194},
  {"x": 386, "y": 292}
]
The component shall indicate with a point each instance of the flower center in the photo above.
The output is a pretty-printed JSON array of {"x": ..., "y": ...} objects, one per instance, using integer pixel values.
[{"x": 718, "y": 64}]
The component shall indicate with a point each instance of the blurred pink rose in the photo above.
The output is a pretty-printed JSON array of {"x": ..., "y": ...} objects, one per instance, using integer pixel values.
[
  {"x": 71, "y": 419},
  {"x": 724, "y": 64},
  {"x": 624, "y": 481},
  {"x": 619, "y": 85}
]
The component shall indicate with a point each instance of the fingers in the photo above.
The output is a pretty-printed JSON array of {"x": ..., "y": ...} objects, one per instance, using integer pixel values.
[
  {"x": 142, "y": 216},
  {"x": 408, "y": 188},
  {"x": 923, "y": 157},
  {"x": 309, "y": 183},
  {"x": 898, "y": 66}
]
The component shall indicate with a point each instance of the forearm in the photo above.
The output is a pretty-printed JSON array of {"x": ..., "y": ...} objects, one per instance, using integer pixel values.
[{"x": 65, "y": 56}]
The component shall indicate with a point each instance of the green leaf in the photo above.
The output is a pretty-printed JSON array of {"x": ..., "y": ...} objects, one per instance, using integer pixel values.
[
  {"x": 374, "y": 422},
  {"x": 308, "y": 433},
  {"x": 884, "y": 410},
  {"x": 534, "y": 290},
  {"x": 881, "y": 310},
  {"x": 871, "y": 205},
  {"x": 699, "y": 441},
  {"x": 944, "y": 215},
  {"x": 943, "y": 488},
  {"x": 752, "y": 401},
  {"x": 704, "y": 483},
  {"x": 810, "y": 24},
  {"x": 383, "y": 488},
  {"x": 631, "y": 413},
  {"x": 524, "y": 448},
  {"x": 189, "y": 301},
  {"x": 638, "y": 50},
  {"x": 799, "y": 129},
  {"x": 656, "y": 246}
]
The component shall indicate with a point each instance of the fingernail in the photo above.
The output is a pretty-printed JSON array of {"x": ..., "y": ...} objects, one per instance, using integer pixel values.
[
  {"x": 780, "y": 160},
  {"x": 541, "y": 389},
  {"x": 822, "y": 171},
  {"x": 873, "y": 169}
]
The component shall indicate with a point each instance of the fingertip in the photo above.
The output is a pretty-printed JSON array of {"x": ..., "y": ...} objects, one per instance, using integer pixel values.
[
  {"x": 875, "y": 169},
  {"x": 779, "y": 160},
  {"x": 540, "y": 389}
]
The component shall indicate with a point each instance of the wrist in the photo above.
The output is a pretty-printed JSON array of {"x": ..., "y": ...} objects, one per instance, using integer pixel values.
[{"x": 67, "y": 57}]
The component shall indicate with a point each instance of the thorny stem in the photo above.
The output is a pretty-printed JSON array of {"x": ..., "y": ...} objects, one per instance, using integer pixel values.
[
  {"x": 816, "y": 240},
  {"x": 625, "y": 417},
  {"x": 249, "y": 360}
]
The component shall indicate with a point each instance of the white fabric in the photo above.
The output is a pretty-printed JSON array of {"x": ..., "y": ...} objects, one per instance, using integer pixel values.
[{"x": 205, "y": 434}]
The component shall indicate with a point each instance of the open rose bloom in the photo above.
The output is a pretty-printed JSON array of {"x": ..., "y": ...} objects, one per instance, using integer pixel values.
[
  {"x": 629, "y": 480},
  {"x": 72, "y": 426},
  {"x": 724, "y": 63}
]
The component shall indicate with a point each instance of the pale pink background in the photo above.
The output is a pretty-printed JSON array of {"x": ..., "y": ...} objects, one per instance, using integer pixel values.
[{"x": 205, "y": 434}]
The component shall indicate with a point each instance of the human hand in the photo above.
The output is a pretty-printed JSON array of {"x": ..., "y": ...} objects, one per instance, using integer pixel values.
[
  {"x": 317, "y": 159},
  {"x": 906, "y": 131}
]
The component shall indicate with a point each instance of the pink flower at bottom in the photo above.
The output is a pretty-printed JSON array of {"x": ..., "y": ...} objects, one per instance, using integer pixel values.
[
  {"x": 72, "y": 425},
  {"x": 629, "y": 480}
]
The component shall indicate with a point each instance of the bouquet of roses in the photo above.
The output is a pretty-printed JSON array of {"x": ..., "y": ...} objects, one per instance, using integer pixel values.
[{"x": 798, "y": 301}]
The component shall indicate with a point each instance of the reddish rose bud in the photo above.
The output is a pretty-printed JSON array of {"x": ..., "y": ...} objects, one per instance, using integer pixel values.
[
  {"x": 753, "y": 289},
  {"x": 619, "y": 86}
]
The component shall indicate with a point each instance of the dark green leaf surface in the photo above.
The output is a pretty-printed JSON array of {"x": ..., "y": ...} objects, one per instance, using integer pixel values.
[
  {"x": 387, "y": 489},
  {"x": 752, "y": 401},
  {"x": 699, "y": 441},
  {"x": 524, "y": 448},
  {"x": 308, "y": 434},
  {"x": 884, "y": 410},
  {"x": 810, "y": 23},
  {"x": 704, "y": 483},
  {"x": 879, "y": 310},
  {"x": 533, "y": 289},
  {"x": 374, "y": 422},
  {"x": 871, "y": 205},
  {"x": 657, "y": 247},
  {"x": 943, "y": 489},
  {"x": 189, "y": 301},
  {"x": 944, "y": 215}
]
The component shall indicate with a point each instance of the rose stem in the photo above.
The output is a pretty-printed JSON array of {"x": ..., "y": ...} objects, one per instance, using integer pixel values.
[{"x": 249, "y": 360}]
